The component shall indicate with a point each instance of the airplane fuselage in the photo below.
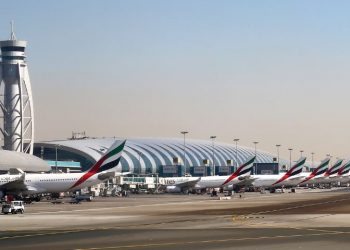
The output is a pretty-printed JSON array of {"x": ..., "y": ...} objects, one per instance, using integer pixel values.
[
  {"x": 214, "y": 182},
  {"x": 203, "y": 182},
  {"x": 51, "y": 183},
  {"x": 268, "y": 181}
]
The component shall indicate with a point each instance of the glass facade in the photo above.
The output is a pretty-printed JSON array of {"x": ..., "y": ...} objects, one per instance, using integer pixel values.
[{"x": 12, "y": 48}]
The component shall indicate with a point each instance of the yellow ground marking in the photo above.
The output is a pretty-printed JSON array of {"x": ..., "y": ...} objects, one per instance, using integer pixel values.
[{"x": 239, "y": 218}]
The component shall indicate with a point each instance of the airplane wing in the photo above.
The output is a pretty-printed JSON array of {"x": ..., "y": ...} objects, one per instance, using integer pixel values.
[
  {"x": 187, "y": 184},
  {"x": 333, "y": 177},
  {"x": 14, "y": 171},
  {"x": 246, "y": 177},
  {"x": 16, "y": 185},
  {"x": 295, "y": 178},
  {"x": 123, "y": 173},
  {"x": 246, "y": 181},
  {"x": 109, "y": 175},
  {"x": 19, "y": 185}
]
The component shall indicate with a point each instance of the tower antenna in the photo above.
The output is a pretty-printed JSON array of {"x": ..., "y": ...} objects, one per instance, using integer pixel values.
[{"x": 13, "y": 36}]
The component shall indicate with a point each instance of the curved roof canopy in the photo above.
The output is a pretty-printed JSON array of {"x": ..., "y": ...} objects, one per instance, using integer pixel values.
[{"x": 146, "y": 155}]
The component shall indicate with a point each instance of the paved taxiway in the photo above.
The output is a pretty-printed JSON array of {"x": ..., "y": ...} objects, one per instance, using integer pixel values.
[{"x": 304, "y": 220}]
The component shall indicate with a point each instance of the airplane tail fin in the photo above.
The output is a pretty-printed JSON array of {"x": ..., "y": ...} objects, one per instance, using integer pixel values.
[
  {"x": 243, "y": 169},
  {"x": 321, "y": 169},
  {"x": 296, "y": 169},
  {"x": 335, "y": 168},
  {"x": 344, "y": 169},
  {"x": 109, "y": 160}
]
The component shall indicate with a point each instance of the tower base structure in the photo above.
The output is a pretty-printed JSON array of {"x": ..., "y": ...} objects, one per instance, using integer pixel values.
[{"x": 16, "y": 100}]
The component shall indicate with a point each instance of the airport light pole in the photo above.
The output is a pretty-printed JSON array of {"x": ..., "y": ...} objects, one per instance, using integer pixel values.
[
  {"x": 312, "y": 158},
  {"x": 56, "y": 156},
  {"x": 278, "y": 154},
  {"x": 184, "y": 156},
  {"x": 301, "y": 153},
  {"x": 140, "y": 154},
  {"x": 330, "y": 158},
  {"x": 213, "y": 146},
  {"x": 236, "y": 141},
  {"x": 290, "y": 157},
  {"x": 42, "y": 152},
  {"x": 255, "y": 168}
]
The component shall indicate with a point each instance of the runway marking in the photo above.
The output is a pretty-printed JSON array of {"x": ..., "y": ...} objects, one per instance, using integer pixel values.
[
  {"x": 88, "y": 229},
  {"x": 314, "y": 217},
  {"x": 211, "y": 241},
  {"x": 300, "y": 206},
  {"x": 108, "y": 208},
  {"x": 244, "y": 219},
  {"x": 252, "y": 215},
  {"x": 45, "y": 234},
  {"x": 316, "y": 229},
  {"x": 277, "y": 223}
]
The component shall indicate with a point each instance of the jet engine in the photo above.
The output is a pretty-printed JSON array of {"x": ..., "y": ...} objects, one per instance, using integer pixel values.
[
  {"x": 229, "y": 187},
  {"x": 173, "y": 189}
]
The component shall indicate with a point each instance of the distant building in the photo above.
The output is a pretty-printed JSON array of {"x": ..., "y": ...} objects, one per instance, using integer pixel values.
[{"x": 151, "y": 156}]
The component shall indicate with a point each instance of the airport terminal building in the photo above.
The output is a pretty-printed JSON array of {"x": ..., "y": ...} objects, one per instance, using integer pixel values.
[{"x": 152, "y": 156}]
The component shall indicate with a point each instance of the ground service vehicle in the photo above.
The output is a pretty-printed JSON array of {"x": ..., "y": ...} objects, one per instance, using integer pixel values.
[
  {"x": 83, "y": 197},
  {"x": 14, "y": 207}
]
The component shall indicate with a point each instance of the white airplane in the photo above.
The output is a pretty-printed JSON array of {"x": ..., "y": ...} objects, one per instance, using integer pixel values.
[
  {"x": 279, "y": 180},
  {"x": 27, "y": 184},
  {"x": 312, "y": 178},
  {"x": 184, "y": 184}
]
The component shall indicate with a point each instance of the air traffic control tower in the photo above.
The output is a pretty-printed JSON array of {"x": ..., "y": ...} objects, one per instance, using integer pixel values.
[{"x": 16, "y": 101}]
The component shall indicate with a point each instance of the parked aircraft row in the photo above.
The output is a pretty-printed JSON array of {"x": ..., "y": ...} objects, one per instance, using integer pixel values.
[
  {"x": 18, "y": 182},
  {"x": 183, "y": 184},
  {"x": 242, "y": 178}
]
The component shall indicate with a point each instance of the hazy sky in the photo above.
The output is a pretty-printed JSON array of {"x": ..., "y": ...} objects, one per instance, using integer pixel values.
[{"x": 272, "y": 71}]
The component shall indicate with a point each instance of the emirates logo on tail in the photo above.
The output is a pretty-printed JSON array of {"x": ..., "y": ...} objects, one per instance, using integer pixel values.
[
  {"x": 296, "y": 169},
  {"x": 109, "y": 160},
  {"x": 344, "y": 169},
  {"x": 243, "y": 169},
  {"x": 334, "y": 169},
  {"x": 322, "y": 168}
]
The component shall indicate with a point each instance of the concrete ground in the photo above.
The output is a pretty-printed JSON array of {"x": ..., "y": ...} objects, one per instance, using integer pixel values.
[{"x": 307, "y": 219}]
